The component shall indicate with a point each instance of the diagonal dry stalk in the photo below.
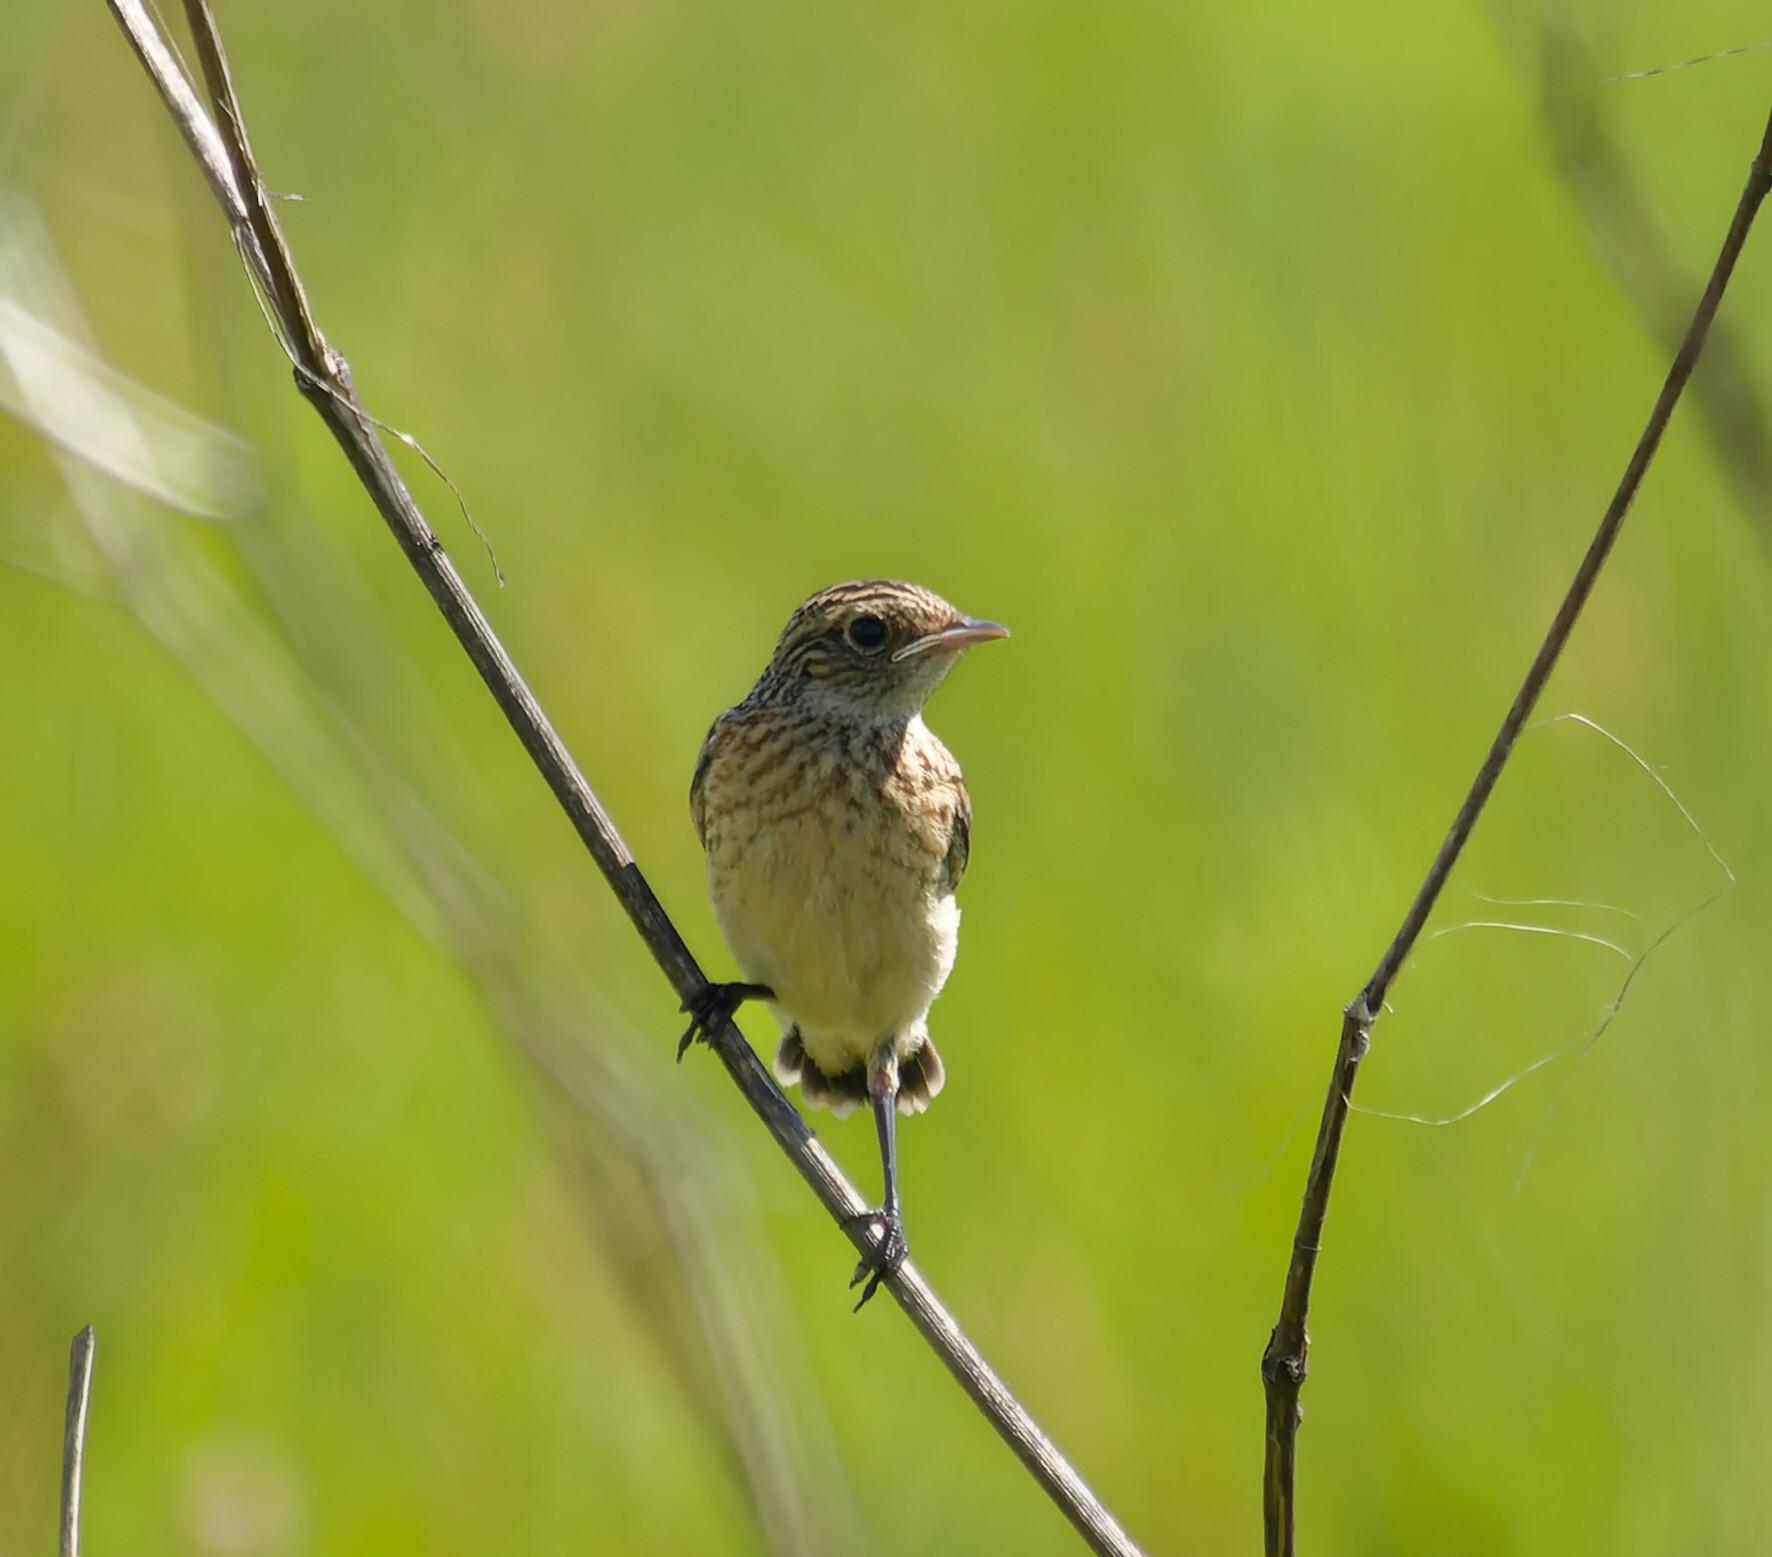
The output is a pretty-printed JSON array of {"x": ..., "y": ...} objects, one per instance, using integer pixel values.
[
  {"x": 1283, "y": 1363},
  {"x": 217, "y": 138}
]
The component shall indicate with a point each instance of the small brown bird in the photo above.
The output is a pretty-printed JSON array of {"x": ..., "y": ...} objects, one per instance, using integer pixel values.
[{"x": 837, "y": 828}]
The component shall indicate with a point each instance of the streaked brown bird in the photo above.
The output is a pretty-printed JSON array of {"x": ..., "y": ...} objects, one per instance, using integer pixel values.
[{"x": 837, "y": 828}]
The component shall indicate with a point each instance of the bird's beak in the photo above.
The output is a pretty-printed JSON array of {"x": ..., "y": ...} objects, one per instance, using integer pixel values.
[{"x": 950, "y": 640}]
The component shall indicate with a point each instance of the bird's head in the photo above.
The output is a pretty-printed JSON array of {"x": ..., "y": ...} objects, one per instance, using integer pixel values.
[{"x": 874, "y": 649}]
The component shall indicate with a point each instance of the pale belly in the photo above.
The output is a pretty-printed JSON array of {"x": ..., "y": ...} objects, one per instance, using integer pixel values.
[{"x": 849, "y": 933}]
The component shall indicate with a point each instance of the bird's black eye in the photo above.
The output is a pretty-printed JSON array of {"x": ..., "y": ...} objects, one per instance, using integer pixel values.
[{"x": 867, "y": 633}]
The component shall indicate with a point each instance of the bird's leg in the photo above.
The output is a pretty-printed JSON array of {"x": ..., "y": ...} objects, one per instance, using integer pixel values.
[
  {"x": 713, "y": 1006},
  {"x": 890, "y": 1249}
]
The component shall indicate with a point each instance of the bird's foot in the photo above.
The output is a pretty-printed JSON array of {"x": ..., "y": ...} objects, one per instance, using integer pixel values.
[
  {"x": 889, "y": 1251},
  {"x": 716, "y": 1003}
]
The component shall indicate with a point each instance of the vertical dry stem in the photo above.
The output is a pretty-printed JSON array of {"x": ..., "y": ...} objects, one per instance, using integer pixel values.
[
  {"x": 1283, "y": 1364},
  {"x": 74, "y": 1437}
]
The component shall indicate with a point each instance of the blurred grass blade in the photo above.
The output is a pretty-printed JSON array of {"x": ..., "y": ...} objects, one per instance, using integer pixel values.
[
  {"x": 90, "y": 409},
  {"x": 667, "y": 1203},
  {"x": 57, "y": 384}
]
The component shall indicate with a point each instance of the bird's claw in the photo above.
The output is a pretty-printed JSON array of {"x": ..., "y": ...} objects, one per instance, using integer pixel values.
[
  {"x": 890, "y": 1250},
  {"x": 716, "y": 1004}
]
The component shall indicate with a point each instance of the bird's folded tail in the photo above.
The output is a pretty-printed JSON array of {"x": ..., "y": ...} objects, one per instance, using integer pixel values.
[{"x": 920, "y": 1077}]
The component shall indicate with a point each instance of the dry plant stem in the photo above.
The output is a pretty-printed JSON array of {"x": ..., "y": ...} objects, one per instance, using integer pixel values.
[
  {"x": 74, "y": 1438},
  {"x": 1283, "y": 1363},
  {"x": 222, "y": 148}
]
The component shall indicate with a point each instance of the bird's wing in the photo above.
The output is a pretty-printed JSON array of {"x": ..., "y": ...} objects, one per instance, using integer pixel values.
[
  {"x": 960, "y": 839},
  {"x": 698, "y": 800}
]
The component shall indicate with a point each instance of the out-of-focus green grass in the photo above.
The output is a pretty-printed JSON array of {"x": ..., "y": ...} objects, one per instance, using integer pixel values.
[{"x": 1251, "y": 363}]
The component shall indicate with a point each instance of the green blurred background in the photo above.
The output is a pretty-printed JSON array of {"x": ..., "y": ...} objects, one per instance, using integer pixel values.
[{"x": 1266, "y": 368}]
